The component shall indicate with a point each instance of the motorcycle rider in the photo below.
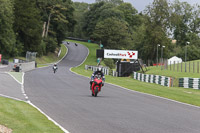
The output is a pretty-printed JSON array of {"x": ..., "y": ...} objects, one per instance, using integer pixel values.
[
  {"x": 55, "y": 67},
  {"x": 98, "y": 72}
]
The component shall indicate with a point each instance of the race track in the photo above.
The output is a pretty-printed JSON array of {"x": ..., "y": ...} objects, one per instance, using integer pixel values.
[{"x": 66, "y": 98}]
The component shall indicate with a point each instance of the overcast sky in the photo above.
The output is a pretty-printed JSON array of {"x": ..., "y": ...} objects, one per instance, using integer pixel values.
[{"x": 141, "y": 4}]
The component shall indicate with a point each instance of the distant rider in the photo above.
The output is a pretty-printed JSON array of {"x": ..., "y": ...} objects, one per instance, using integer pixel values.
[
  {"x": 98, "y": 72},
  {"x": 55, "y": 67}
]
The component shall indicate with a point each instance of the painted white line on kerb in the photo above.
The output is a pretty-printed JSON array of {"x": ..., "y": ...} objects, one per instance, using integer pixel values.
[{"x": 22, "y": 87}]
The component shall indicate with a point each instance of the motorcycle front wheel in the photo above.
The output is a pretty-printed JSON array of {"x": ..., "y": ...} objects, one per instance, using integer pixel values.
[{"x": 96, "y": 91}]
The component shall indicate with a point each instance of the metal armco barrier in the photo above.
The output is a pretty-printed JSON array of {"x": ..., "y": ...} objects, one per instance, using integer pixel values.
[
  {"x": 157, "y": 79},
  {"x": 105, "y": 70},
  {"x": 189, "y": 83}
]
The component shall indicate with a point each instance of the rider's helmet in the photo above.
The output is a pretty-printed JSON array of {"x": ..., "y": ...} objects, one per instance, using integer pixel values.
[
  {"x": 55, "y": 64},
  {"x": 99, "y": 69}
]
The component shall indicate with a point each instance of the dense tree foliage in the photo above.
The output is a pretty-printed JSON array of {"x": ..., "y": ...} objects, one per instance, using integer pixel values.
[
  {"x": 185, "y": 26},
  {"x": 7, "y": 35},
  {"x": 112, "y": 33},
  {"x": 41, "y": 26},
  {"x": 28, "y": 26},
  {"x": 109, "y": 21},
  {"x": 115, "y": 2},
  {"x": 156, "y": 22},
  {"x": 38, "y": 26},
  {"x": 58, "y": 20},
  {"x": 80, "y": 9}
]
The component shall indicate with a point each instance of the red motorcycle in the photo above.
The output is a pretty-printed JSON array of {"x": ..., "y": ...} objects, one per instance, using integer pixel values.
[{"x": 96, "y": 85}]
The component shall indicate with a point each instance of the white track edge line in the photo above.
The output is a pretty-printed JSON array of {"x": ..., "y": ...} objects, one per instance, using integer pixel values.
[
  {"x": 63, "y": 56},
  {"x": 80, "y": 64},
  {"x": 84, "y": 59},
  {"x": 156, "y": 96},
  {"x": 22, "y": 87},
  {"x": 49, "y": 118},
  {"x": 14, "y": 77},
  {"x": 12, "y": 98}
]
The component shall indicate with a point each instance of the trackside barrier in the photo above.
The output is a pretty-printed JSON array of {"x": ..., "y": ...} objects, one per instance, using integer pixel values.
[
  {"x": 189, "y": 83},
  {"x": 105, "y": 70},
  {"x": 114, "y": 73},
  {"x": 24, "y": 67},
  {"x": 157, "y": 79}
]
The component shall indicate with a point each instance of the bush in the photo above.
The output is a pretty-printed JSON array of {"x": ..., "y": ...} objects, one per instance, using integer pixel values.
[
  {"x": 41, "y": 49},
  {"x": 51, "y": 44},
  {"x": 109, "y": 63}
]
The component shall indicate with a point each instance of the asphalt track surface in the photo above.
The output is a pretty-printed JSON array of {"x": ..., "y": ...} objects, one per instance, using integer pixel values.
[
  {"x": 10, "y": 87},
  {"x": 66, "y": 98}
]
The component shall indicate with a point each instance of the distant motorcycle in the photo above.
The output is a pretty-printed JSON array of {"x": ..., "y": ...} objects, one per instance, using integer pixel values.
[
  {"x": 96, "y": 85},
  {"x": 54, "y": 69},
  {"x": 76, "y": 44},
  {"x": 68, "y": 43}
]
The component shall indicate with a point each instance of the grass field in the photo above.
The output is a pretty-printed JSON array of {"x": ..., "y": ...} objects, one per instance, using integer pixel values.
[
  {"x": 176, "y": 70},
  {"x": 189, "y": 96},
  {"x": 23, "y": 118}
]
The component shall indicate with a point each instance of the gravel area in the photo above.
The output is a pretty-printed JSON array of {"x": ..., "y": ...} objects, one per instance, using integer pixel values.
[{"x": 4, "y": 129}]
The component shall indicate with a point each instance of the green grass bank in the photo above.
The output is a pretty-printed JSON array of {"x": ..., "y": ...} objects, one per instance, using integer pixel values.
[
  {"x": 176, "y": 73},
  {"x": 23, "y": 118},
  {"x": 189, "y": 96},
  {"x": 51, "y": 57}
]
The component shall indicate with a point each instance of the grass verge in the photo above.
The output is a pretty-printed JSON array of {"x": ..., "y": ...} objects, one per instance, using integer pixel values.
[
  {"x": 189, "y": 96},
  {"x": 172, "y": 73},
  {"x": 23, "y": 118},
  {"x": 17, "y": 76},
  {"x": 51, "y": 57}
]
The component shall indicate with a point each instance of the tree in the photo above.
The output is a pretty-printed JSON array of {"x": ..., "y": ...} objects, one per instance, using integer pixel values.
[
  {"x": 115, "y": 2},
  {"x": 108, "y": 11},
  {"x": 195, "y": 23},
  {"x": 180, "y": 19},
  {"x": 130, "y": 14},
  {"x": 28, "y": 25},
  {"x": 58, "y": 16},
  {"x": 7, "y": 36},
  {"x": 113, "y": 33},
  {"x": 92, "y": 17},
  {"x": 154, "y": 30},
  {"x": 80, "y": 9}
]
